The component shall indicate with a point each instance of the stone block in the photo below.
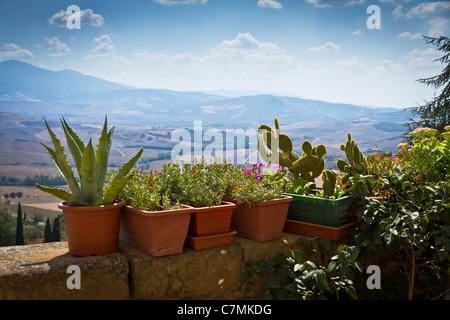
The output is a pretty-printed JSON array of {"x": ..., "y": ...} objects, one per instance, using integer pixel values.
[
  {"x": 194, "y": 274},
  {"x": 40, "y": 272}
]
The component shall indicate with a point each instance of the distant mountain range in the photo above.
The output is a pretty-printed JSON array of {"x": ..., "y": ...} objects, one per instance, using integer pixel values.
[{"x": 32, "y": 92}]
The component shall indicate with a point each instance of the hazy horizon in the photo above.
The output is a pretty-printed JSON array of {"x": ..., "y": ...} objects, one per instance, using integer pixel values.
[{"x": 314, "y": 49}]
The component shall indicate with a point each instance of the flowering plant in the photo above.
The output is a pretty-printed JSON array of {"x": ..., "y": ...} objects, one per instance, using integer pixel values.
[
  {"x": 198, "y": 184},
  {"x": 429, "y": 156},
  {"x": 145, "y": 192},
  {"x": 257, "y": 184}
]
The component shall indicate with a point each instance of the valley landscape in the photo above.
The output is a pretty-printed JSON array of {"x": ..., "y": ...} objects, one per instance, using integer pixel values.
[{"x": 149, "y": 118}]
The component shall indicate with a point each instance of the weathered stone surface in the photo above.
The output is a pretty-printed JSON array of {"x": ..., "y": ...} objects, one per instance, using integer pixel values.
[
  {"x": 194, "y": 274},
  {"x": 254, "y": 251},
  {"x": 39, "y": 272}
]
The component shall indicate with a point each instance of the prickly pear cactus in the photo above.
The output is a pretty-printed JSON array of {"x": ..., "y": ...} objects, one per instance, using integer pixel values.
[
  {"x": 356, "y": 162},
  {"x": 308, "y": 166},
  {"x": 329, "y": 182}
]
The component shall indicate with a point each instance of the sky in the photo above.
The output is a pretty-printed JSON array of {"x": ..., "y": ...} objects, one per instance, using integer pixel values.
[{"x": 363, "y": 52}]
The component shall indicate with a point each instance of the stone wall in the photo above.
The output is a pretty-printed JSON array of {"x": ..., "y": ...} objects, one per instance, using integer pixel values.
[{"x": 40, "y": 271}]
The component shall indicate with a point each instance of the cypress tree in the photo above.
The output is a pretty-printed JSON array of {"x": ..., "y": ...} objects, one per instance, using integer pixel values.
[
  {"x": 47, "y": 231},
  {"x": 19, "y": 227},
  {"x": 56, "y": 234}
]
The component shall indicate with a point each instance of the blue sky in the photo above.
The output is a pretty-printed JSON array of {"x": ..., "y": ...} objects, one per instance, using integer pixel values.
[{"x": 317, "y": 49}]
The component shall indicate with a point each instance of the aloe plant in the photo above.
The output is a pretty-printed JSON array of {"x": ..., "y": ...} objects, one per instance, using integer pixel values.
[{"x": 91, "y": 166}]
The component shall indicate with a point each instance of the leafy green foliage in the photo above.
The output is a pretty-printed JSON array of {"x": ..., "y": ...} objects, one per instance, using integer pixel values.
[
  {"x": 292, "y": 277},
  {"x": 145, "y": 191}
]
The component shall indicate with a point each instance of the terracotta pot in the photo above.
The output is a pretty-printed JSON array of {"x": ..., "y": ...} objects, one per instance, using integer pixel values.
[
  {"x": 262, "y": 221},
  {"x": 211, "y": 220},
  {"x": 211, "y": 241},
  {"x": 158, "y": 233},
  {"x": 92, "y": 230},
  {"x": 319, "y": 231}
]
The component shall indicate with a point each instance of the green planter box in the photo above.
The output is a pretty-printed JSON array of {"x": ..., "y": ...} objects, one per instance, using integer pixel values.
[{"x": 326, "y": 212}]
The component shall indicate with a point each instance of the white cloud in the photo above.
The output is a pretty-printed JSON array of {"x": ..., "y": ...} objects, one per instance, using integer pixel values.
[
  {"x": 327, "y": 46},
  {"x": 151, "y": 56},
  {"x": 87, "y": 17},
  {"x": 245, "y": 43},
  {"x": 14, "y": 51},
  {"x": 395, "y": 1},
  {"x": 57, "y": 48},
  {"x": 422, "y": 58},
  {"x": 357, "y": 33},
  {"x": 437, "y": 15},
  {"x": 438, "y": 26},
  {"x": 269, "y": 4},
  {"x": 187, "y": 57},
  {"x": 106, "y": 49},
  {"x": 389, "y": 66},
  {"x": 430, "y": 10},
  {"x": 172, "y": 2},
  {"x": 398, "y": 12},
  {"x": 352, "y": 65},
  {"x": 409, "y": 35},
  {"x": 245, "y": 49},
  {"x": 334, "y": 3}
]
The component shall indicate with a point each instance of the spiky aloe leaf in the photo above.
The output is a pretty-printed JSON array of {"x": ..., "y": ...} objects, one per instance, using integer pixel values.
[
  {"x": 74, "y": 143},
  {"x": 128, "y": 166},
  {"x": 88, "y": 176},
  {"x": 113, "y": 191},
  {"x": 59, "y": 193},
  {"x": 60, "y": 159},
  {"x": 102, "y": 155}
]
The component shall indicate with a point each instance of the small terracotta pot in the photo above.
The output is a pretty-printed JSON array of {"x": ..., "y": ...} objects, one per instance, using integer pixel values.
[
  {"x": 262, "y": 221},
  {"x": 211, "y": 220},
  {"x": 211, "y": 241},
  {"x": 92, "y": 230},
  {"x": 158, "y": 233}
]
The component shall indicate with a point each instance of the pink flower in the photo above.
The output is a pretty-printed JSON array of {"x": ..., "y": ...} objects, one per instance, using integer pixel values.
[
  {"x": 249, "y": 171},
  {"x": 256, "y": 165},
  {"x": 259, "y": 178},
  {"x": 394, "y": 157},
  {"x": 380, "y": 154},
  {"x": 276, "y": 167},
  {"x": 158, "y": 173}
]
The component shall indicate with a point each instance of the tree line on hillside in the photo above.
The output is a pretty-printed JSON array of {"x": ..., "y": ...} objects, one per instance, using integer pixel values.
[
  {"x": 29, "y": 181},
  {"x": 12, "y": 231}
]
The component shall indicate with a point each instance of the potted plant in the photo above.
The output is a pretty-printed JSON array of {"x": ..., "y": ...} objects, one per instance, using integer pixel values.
[
  {"x": 150, "y": 221},
  {"x": 201, "y": 187},
  {"x": 261, "y": 206},
  {"x": 328, "y": 206},
  {"x": 91, "y": 207},
  {"x": 324, "y": 213}
]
